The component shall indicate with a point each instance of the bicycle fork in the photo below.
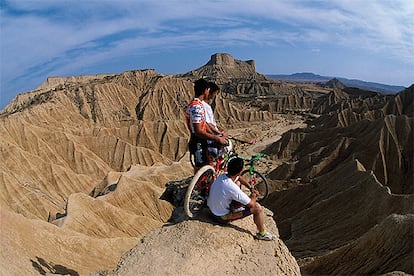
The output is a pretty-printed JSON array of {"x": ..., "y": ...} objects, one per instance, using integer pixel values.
[{"x": 252, "y": 180}]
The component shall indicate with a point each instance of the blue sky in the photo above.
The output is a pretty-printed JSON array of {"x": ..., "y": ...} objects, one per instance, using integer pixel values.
[{"x": 361, "y": 39}]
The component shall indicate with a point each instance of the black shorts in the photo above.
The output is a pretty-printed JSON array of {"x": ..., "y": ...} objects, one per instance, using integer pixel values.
[
  {"x": 240, "y": 213},
  {"x": 199, "y": 148},
  {"x": 214, "y": 148}
]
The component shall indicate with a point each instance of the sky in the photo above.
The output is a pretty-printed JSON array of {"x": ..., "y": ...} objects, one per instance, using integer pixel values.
[{"x": 357, "y": 39}]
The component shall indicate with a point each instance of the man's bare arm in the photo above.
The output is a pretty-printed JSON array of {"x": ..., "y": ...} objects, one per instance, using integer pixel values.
[
  {"x": 253, "y": 197},
  {"x": 209, "y": 136}
]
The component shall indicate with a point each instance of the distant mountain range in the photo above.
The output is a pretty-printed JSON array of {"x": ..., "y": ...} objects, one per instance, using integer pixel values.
[{"x": 311, "y": 77}]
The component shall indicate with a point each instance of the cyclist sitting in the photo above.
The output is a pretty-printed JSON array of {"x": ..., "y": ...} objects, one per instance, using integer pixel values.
[{"x": 225, "y": 193}]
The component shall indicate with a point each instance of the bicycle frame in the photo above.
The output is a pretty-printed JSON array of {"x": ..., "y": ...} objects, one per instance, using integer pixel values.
[
  {"x": 200, "y": 185},
  {"x": 220, "y": 165},
  {"x": 252, "y": 161}
]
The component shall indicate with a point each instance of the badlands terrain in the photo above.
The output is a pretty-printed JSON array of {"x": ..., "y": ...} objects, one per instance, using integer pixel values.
[{"x": 92, "y": 171}]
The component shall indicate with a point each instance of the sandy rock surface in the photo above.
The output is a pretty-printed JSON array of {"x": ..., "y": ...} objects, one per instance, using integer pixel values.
[{"x": 202, "y": 247}]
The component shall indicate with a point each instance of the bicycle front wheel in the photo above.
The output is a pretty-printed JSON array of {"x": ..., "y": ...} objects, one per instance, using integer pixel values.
[
  {"x": 259, "y": 181},
  {"x": 197, "y": 192}
]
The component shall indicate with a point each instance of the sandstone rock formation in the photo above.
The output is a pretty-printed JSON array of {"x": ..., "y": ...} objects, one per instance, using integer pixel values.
[
  {"x": 201, "y": 247},
  {"x": 85, "y": 160},
  {"x": 353, "y": 180},
  {"x": 308, "y": 215},
  {"x": 362, "y": 255},
  {"x": 224, "y": 66},
  {"x": 317, "y": 150},
  {"x": 236, "y": 77}
]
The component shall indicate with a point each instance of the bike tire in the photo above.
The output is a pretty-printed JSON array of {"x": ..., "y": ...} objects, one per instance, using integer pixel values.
[
  {"x": 196, "y": 195},
  {"x": 261, "y": 185}
]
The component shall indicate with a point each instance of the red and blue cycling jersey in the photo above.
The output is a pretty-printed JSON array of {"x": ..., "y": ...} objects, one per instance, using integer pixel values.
[{"x": 195, "y": 114}]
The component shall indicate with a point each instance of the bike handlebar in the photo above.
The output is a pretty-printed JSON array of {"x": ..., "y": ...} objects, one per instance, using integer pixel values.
[
  {"x": 237, "y": 140},
  {"x": 254, "y": 158}
]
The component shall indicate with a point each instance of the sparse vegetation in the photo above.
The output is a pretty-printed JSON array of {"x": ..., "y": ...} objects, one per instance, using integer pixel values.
[{"x": 37, "y": 99}]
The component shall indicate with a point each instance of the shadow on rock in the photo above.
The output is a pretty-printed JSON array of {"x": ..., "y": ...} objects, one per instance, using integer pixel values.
[
  {"x": 43, "y": 267},
  {"x": 175, "y": 193}
]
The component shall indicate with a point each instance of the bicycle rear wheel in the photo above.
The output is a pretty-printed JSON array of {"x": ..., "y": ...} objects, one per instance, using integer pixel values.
[
  {"x": 196, "y": 196},
  {"x": 260, "y": 184}
]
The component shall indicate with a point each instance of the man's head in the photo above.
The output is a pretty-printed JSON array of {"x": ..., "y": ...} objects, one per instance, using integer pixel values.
[
  {"x": 214, "y": 89},
  {"x": 200, "y": 86},
  {"x": 235, "y": 166}
]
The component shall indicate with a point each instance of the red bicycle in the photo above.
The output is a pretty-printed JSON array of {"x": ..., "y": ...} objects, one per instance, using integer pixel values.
[{"x": 197, "y": 192}]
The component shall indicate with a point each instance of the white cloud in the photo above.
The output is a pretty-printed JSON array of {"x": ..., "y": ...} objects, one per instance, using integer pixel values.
[{"x": 69, "y": 33}]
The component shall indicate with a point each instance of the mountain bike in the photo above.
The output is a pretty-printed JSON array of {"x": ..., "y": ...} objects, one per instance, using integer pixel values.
[{"x": 197, "y": 192}]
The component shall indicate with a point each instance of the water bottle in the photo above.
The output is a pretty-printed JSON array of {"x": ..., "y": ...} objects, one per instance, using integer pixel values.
[{"x": 198, "y": 153}]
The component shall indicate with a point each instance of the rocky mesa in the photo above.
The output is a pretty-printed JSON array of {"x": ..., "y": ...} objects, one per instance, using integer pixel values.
[{"x": 86, "y": 161}]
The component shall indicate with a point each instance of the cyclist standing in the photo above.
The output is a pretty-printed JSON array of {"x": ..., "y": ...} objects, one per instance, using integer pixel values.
[
  {"x": 214, "y": 89},
  {"x": 197, "y": 124},
  {"x": 214, "y": 148}
]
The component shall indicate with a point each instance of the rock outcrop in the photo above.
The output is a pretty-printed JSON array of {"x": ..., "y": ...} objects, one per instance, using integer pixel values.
[
  {"x": 383, "y": 143},
  {"x": 85, "y": 160},
  {"x": 199, "y": 247},
  {"x": 89, "y": 157},
  {"x": 224, "y": 66},
  {"x": 376, "y": 252},
  {"x": 341, "y": 210}
]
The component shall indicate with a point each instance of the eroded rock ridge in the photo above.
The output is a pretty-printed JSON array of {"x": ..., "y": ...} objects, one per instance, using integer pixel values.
[{"x": 85, "y": 161}]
